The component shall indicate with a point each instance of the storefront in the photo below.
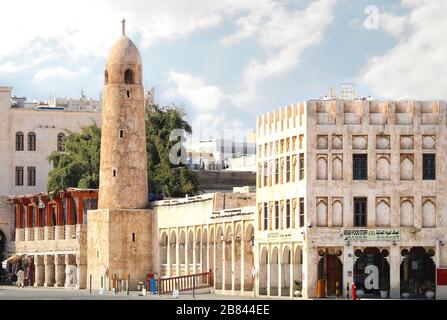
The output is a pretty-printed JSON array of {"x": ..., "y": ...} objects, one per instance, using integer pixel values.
[{"x": 417, "y": 273}]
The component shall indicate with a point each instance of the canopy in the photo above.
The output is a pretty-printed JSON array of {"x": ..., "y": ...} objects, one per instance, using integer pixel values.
[{"x": 12, "y": 258}]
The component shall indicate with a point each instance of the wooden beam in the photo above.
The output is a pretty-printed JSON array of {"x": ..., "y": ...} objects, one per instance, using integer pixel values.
[{"x": 80, "y": 210}]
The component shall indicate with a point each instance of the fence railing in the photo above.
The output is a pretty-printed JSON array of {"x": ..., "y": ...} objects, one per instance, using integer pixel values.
[{"x": 185, "y": 283}]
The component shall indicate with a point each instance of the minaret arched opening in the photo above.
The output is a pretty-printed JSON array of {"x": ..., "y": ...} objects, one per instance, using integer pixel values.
[
  {"x": 106, "y": 77},
  {"x": 129, "y": 77}
]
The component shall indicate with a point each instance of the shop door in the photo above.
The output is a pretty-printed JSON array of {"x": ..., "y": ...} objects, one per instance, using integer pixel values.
[{"x": 334, "y": 275}]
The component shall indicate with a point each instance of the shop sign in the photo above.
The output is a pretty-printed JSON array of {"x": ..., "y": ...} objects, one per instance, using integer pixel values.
[
  {"x": 371, "y": 234},
  {"x": 279, "y": 235},
  {"x": 441, "y": 277}
]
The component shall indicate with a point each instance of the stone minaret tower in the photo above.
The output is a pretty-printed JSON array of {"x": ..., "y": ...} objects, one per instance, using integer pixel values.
[
  {"x": 123, "y": 170},
  {"x": 119, "y": 232}
]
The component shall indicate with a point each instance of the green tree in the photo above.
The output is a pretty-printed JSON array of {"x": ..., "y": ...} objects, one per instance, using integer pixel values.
[
  {"x": 163, "y": 176},
  {"x": 78, "y": 166}
]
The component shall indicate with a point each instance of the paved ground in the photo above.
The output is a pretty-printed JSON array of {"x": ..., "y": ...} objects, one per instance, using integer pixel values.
[{"x": 32, "y": 293}]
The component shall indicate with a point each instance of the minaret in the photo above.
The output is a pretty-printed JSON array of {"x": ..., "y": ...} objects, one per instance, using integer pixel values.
[
  {"x": 119, "y": 233},
  {"x": 123, "y": 169}
]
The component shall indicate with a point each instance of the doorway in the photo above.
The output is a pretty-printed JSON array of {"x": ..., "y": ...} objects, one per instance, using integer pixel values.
[
  {"x": 330, "y": 269},
  {"x": 417, "y": 272}
]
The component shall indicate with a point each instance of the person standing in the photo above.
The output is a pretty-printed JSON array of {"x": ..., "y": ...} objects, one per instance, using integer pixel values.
[{"x": 21, "y": 278}]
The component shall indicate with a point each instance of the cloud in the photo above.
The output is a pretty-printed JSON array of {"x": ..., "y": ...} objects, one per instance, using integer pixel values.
[
  {"x": 59, "y": 73},
  {"x": 395, "y": 25},
  {"x": 414, "y": 68},
  {"x": 200, "y": 96},
  {"x": 10, "y": 68},
  {"x": 284, "y": 35}
]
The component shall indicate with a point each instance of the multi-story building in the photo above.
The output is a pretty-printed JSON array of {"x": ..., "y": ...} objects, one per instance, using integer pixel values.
[
  {"x": 352, "y": 191},
  {"x": 215, "y": 154},
  {"x": 28, "y": 135}
]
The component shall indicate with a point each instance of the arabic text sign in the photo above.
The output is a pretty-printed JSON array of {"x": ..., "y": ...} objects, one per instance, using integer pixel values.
[{"x": 372, "y": 234}]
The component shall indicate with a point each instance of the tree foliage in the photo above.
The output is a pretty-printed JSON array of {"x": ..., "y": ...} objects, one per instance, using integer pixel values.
[
  {"x": 165, "y": 177},
  {"x": 78, "y": 166}
]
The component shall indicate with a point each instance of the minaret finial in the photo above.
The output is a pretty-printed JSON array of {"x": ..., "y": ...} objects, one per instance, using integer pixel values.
[{"x": 124, "y": 26}]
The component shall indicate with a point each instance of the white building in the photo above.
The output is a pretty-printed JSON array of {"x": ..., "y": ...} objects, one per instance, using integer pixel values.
[
  {"x": 352, "y": 191},
  {"x": 214, "y": 154},
  {"x": 28, "y": 135}
]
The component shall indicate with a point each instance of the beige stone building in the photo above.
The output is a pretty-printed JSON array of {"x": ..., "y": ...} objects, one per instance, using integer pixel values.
[
  {"x": 211, "y": 232},
  {"x": 28, "y": 135},
  {"x": 352, "y": 191}
]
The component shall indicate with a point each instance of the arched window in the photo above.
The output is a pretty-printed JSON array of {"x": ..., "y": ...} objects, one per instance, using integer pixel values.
[
  {"x": 31, "y": 141},
  {"x": 60, "y": 142},
  {"x": 19, "y": 141},
  {"x": 106, "y": 77},
  {"x": 129, "y": 77}
]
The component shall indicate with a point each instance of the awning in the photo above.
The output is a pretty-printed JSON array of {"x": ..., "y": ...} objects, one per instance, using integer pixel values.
[{"x": 11, "y": 259}]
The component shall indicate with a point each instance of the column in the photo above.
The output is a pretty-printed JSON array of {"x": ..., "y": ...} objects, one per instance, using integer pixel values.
[
  {"x": 268, "y": 272},
  {"x": 233, "y": 256},
  {"x": 70, "y": 271},
  {"x": 81, "y": 265},
  {"x": 280, "y": 258},
  {"x": 59, "y": 263},
  {"x": 40, "y": 270},
  {"x": 292, "y": 260},
  {"x": 60, "y": 232},
  {"x": 168, "y": 252},
  {"x": 310, "y": 272},
  {"x": 395, "y": 261},
  {"x": 194, "y": 264},
  {"x": 224, "y": 259},
  {"x": 49, "y": 270},
  {"x": 186, "y": 252},
  {"x": 348, "y": 268},
  {"x": 177, "y": 255},
  {"x": 242, "y": 266}
]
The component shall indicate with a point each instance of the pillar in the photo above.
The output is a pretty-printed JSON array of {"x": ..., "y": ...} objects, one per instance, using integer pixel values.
[
  {"x": 280, "y": 261},
  {"x": 40, "y": 270},
  {"x": 242, "y": 266},
  {"x": 59, "y": 263},
  {"x": 291, "y": 263},
  {"x": 268, "y": 273},
  {"x": 81, "y": 266},
  {"x": 59, "y": 232},
  {"x": 194, "y": 264},
  {"x": 70, "y": 271},
  {"x": 168, "y": 252},
  {"x": 49, "y": 270},
  {"x": 233, "y": 262},
  {"x": 348, "y": 268},
  {"x": 395, "y": 261},
  {"x": 177, "y": 256},
  {"x": 224, "y": 260},
  {"x": 310, "y": 272}
]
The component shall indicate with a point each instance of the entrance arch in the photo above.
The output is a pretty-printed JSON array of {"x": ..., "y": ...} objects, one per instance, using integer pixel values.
[
  {"x": 417, "y": 271},
  {"x": 372, "y": 270},
  {"x": 330, "y": 269}
]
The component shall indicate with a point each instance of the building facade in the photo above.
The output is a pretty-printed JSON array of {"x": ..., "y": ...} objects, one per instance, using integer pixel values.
[
  {"x": 352, "y": 191},
  {"x": 28, "y": 136}
]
